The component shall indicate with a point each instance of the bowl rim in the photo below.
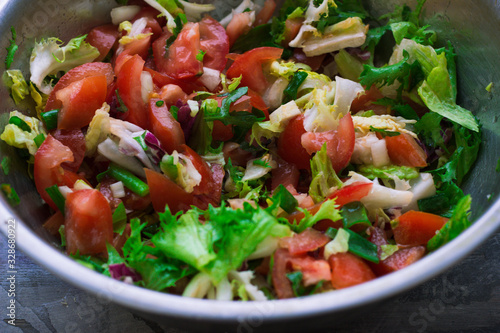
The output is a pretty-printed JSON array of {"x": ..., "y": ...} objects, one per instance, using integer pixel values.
[{"x": 158, "y": 303}]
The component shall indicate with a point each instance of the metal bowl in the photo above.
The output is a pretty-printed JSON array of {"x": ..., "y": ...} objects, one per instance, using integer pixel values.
[{"x": 468, "y": 24}]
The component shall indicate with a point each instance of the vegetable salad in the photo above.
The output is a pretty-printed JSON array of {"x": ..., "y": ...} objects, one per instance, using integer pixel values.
[{"x": 275, "y": 153}]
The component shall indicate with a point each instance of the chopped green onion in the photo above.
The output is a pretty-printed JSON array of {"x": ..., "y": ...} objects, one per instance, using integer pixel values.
[
  {"x": 57, "y": 197},
  {"x": 286, "y": 200},
  {"x": 122, "y": 108},
  {"x": 362, "y": 247},
  {"x": 39, "y": 139},
  {"x": 20, "y": 123},
  {"x": 11, "y": 50},
  {"x": 129, "y": 180},
  {"x": 174, "y": 110},
  {"x": 141, "y": 139},
  {"x": 62, "y": 233},
  {"x": 293, "y": 87},
  {"x": 383, "y": 132},
  {"x": 200, "y": 55},
  {"x": 119, "y": 219},
  {"x": 354, "y": 213},
  {"x": 101, "y": 176},
  {"x": 160, "y": 103},
  {"x": 11, "y": 194},
  {"x": 50, "y": 119},
  {"x": 5, "y": 165}
]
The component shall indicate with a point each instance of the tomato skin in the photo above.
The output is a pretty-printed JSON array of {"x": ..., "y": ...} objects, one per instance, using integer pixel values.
[
  {"x": 351, "y": 193},
  {"x": 339, "y": 143},
  {"x": 165, "y": 127},
  {"x": 265, "y": 13},
  {"x": 205, "y": 186},
  {"x": 47, "y": 167},
  {"x": 405, "y": 151},
  {"x": 164, "y": 192},
  {"x": 77, "y": 74},
  {"x": 349, "y": 270},
  {"x": 307, "y": 241},
  {"x": 88, "y": 222},
  {"x": 103, "y": 38},
  {"x": 399, "y": 260},
  {"x": 285, "y": 174},
  {"x": 292, "y": 28},
  {"x": 417, "y": 228},
  {"x": 129, "y": 86},
  {"x": 80, "y": 100},
  {"x": 290, "y": 145},
  {"x": 74, "y": 140},
  {"x": 249, "y": 65},
  {"x": 215, "y": 42},
  {"x": 281, "y": 283},
  {"x": 181, "y": 63}
]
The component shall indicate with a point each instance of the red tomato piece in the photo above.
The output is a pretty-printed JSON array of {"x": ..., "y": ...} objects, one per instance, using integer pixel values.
[
  {"x": 161, "y": 80},
  {"x": 182, "y": 63},
  {"x": 351, "y": 193},
  {"x": 417, "y": 228},
  {"x": 349, "y": 270},
  {"x": 292, "y": 28},
  {"x": 165, "y": 127},
  {"x": 153, "y": 23},
  {"x": 160, "y": 53},
  {"x": 313, "y": 270},
  {"x": 138, "y": 47},
  {"x": 88, "y": 222},
  {"x": 77, "y": 74},
  {"x": 47, "y": 168},
  {"x": 290, "y": 144},
  {"x": 281, "y": 283},
  {"x": 399, "y": 260},
  {"x": 404, "y": 150},
  {"x": 285, "y": 174},
  {"x": 129, "y": 87},
  {"x": 249, "y": 65},
  {"x": 165, "y": 192},
  {"x": 339, "y": 143},
  {"x": 103, "y": 38},
  {"x": 240, "y": 24},
  {"x": 307, "y": 241},
  {"x": 365, "y": 100},
  {"x": 222, "y": 132},
  {"x": 214, "y": 42},
  {"x": 265, "y": 13},
  {"x": 74, "y": 140},
  {"x": 206, "y": 186},
  {"x": 80, "y": 100}
]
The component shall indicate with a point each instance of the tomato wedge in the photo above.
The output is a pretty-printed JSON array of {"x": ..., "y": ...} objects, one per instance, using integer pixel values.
[
  {"x": 182, "y": 62},
  {"x": 290, "y": 144},
  {"x": 48, "y": 170},
  {"x": 339, "y": 143},
  {"x": 214, "y": 42},
  {"x": 165, "y": 192},
  {"x": 307, "y": 241},
  {"x": 74, "y": 140},
  {"x": 313, "y": 270},
  {"x": 103, "y": 38},
  {"x": 164, "y": 126},
  {"x": 266, "y": 13},
  {"x": 349, "y": 270},
  {"x": 417, "y": 228},
  {"x": 249, "y": 65},
  {"x": 88, "y": 222},
  {"x": 80, "y": 100},
  {"x": 129, "y": 87},
  {"x": 399, "y": 260},
  {"x": 77, "y": 74},
  {"x": 405, "y": 151}
]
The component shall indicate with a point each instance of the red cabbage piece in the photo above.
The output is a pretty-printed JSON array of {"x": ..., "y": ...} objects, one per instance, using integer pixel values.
[
  {"x": 358, "y": 52},
  {"x": 121, "y": 271},
  {"x": 185, "y": 119},
  {"x": 155, "y": 148}
]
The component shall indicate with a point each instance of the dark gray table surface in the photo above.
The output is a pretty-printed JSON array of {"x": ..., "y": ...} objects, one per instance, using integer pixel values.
[{"x": 464, "y": 299}]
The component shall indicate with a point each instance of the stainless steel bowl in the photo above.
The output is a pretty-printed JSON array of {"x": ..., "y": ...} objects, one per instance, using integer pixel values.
[{"x": 470, "y": 25}]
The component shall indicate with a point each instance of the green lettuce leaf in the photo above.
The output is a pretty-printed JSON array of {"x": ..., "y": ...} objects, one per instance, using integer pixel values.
[
  {"x": 19, "y": 89},
  {"x": 388, "y": 172},
  {"x": 458, "y": 222},
  {"x": 324, "y": 178}
]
